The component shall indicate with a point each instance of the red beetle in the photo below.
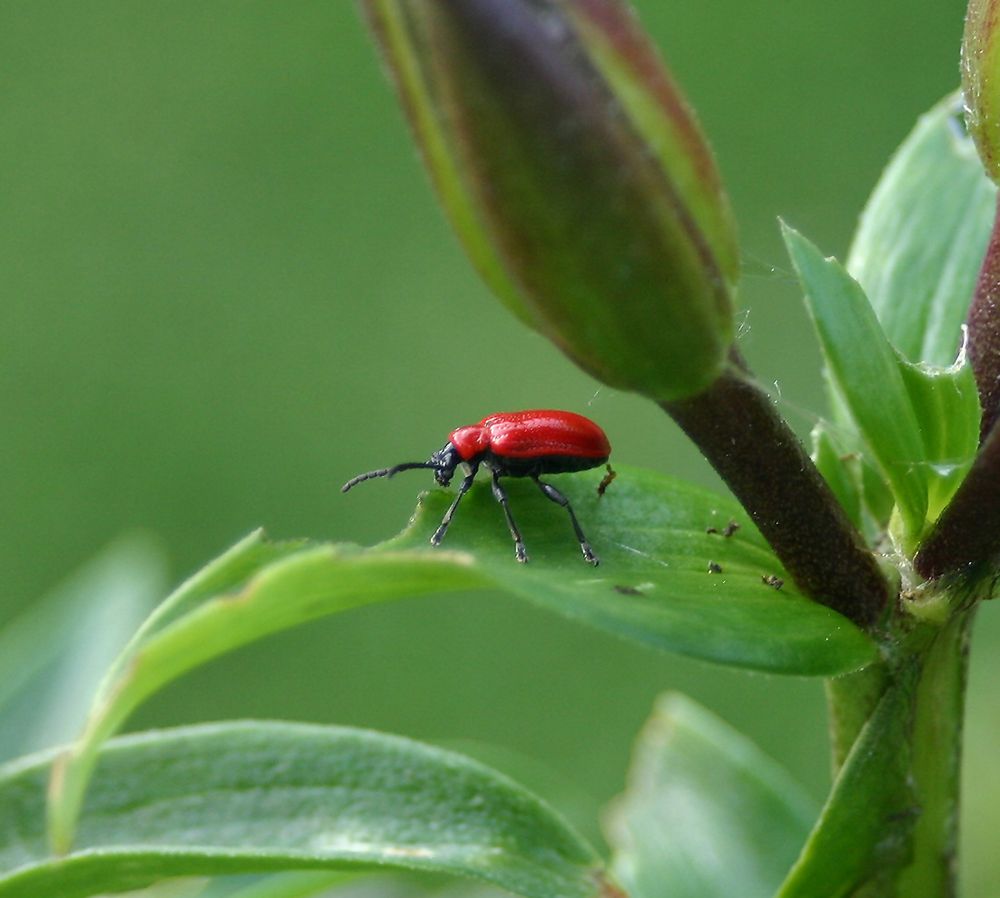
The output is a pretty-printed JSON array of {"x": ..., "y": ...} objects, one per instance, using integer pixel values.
[{"x": 514, "y": 444}]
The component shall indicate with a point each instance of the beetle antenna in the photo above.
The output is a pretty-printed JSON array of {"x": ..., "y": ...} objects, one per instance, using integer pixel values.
[{"x": 386, "y": 472}]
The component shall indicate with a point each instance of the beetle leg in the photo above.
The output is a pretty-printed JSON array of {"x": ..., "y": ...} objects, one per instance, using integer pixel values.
[
  {"x": 519, "y": 552},
  {"x": 450, "y": 513},
  {"x": 550, "y": 492}
]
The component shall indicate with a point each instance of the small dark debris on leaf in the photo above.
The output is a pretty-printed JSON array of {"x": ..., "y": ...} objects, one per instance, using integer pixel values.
[
  {"x": 606, "y": 482},
  {"x": 627, "y": 590},
  {"x": 714, "y": 567},
  {"x": 726, "y": 531},
  {"x": 910, "y": 813},
  {"x": 772, "y": 581}
]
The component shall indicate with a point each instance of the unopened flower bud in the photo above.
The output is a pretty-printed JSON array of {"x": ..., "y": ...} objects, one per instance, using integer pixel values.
[
  {"x": 981, "y": 80},
  {"x": 577, "y": 178}
]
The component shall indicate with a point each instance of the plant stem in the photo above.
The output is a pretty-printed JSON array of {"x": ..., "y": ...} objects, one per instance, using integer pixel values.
[
  {"x": 925, "y": 668},
  {"x": 851, "y": 700},
  {"x": 738, "y": 429},
  {"x": 984, "y": 332},
  {"x": 936, "y": 762},
  {"x": 968, "y": 530}
]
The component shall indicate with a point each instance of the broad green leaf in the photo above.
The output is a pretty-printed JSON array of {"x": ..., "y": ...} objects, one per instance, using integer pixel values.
[
  {"x": 706, "y": 814},
  {"x": 54, "y": 654},
  {"x": 865, "y": 370},
  {"x": 259, "y": 796},
  {"x": 290, "y": 587},
  {"x": 859, "y": 834},
  {"x": 922, "y": 237},
  {"x": 654, "y": 585}
]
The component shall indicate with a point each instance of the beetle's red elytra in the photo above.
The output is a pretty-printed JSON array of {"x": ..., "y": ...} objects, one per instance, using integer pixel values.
[{"x": 514, "y": 444}]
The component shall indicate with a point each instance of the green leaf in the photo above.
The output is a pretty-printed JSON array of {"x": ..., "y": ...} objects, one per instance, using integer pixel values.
[
  {"x": 920, "y": 423},
  {"x": 259, "y": 796},
  {"x": 840, "y": 470},
  {"x": 654, "y": 586},
  {"x": 844, "y": 460},
  {"x": 654, "y": 583},
  {"x": 865, "y": 370},
  {"x": 861, "y": 834},
  {"x": 922, "y": 237},
  {"x": 53, "y": 655},
  {"x": 282, "y": 585},
  {"x": 706, "y": 813},
  {"x": 946, "y": 403}
]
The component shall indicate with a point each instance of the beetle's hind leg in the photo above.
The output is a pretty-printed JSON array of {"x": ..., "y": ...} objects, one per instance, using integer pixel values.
[
  {"x": 550, "y": 492},
  {"x": 498, "y": 492}
]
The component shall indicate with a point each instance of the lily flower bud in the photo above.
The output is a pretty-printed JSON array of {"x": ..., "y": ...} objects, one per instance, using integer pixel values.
[
  {"x": 577, "y": 178},
  {"x": 981, "y": 81}
]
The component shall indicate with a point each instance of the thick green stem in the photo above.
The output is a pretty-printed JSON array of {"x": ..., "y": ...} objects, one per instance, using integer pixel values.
[
  {"x": 738, "y": 429},
  {"x": 936, "y": 763},
  {"x": 851, "y": 700},
  {"x": 914, "y": 857}
]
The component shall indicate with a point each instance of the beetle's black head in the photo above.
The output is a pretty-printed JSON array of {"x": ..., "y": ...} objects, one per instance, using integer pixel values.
[{"x": 444, "y": 462}]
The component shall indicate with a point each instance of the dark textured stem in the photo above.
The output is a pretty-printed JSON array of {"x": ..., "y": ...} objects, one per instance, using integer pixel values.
[
  {"x": 968, "y": 530},
  {"x": 740, "y": 432},
  {"x": 984, "y": 332}
]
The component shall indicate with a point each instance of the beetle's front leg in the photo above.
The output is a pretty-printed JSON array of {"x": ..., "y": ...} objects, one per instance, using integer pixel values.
[{"x": 450, "y": 513}]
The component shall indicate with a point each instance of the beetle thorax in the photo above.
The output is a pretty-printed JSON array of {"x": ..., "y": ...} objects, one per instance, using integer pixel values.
[{"x": 470, "y": 441}]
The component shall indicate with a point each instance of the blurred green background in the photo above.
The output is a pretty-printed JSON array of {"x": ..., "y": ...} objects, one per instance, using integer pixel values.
[{"x": 227, "y": 288}]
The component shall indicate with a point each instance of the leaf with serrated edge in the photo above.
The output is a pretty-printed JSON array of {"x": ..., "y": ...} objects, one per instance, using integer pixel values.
[{"x": 260, "y": 796}]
